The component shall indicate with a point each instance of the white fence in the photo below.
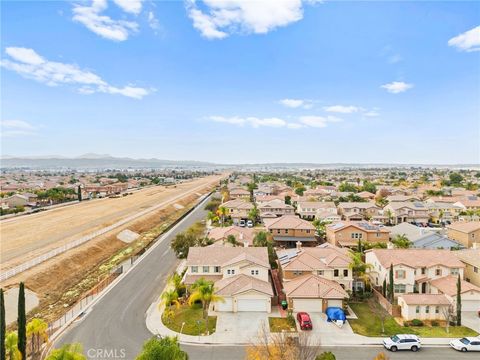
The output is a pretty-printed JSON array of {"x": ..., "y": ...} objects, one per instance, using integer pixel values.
[{"x": 59, "y": 250}]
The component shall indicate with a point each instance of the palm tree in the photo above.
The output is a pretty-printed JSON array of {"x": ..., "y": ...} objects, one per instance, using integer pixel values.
[
  {"x": 170, "y": 299},
  {"x": 37, "y": 331},
  {"x": 211, "y": 216},
  {"x": 67, "y": 352},
  {"x": 359, "y": 267},
  {"x": 401, "y": 242},
  {"x": 204, "y": 291},
  {"x": 389, "y": 215},
  {"x": 11, "y": 341},
  {"x": 253, "y": 214},
  {"x": 222, "y": 211}
]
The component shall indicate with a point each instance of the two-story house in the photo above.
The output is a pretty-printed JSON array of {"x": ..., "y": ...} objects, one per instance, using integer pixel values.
[
  {"x": 309, "y": 209},
  {"x": 465, "y": 232},
  {"x": 240, "y": 274},
  {"x": 239, "y": 193},
  {"x": 411, "y": 212},
  {"x": 348, "y": 233},
  {"x": 287, "y": 230},
  {"x": 238, "y": 209},
  {"x": 358, "y": 211},
  {"x": 275, "y": 207},
  {"x": 243, "y": 235},
  {"x": 471, "y": 259}
]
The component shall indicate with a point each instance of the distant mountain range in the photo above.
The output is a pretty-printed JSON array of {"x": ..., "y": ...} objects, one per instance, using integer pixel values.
[{"x": 106, "y": 161}]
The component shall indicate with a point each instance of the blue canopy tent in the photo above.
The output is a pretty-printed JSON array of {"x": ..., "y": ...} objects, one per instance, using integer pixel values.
[{"x": 335, "y": 314}]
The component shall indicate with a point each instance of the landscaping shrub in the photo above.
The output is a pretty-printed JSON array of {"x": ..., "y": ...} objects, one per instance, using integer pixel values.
[
  {"x": 291, "y": 319},
  {"x": 435, "y": 323},
  {"x": 417, "y": 322}
]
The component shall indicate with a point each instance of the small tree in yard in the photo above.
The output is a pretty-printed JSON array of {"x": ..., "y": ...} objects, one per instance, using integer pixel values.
[
  {"x": 22, "y": 322},
  {"x": 37, "y": 332},
  {"x": 79, "y": 193},
  {"x": 378, "y": 311},
  {"x": 459, "y": 301},
  {"x": 204, "y": 291},
  {"x": 448, "y": 314},
  {"x": 384, "y": 288},
  {"x": 164, "y": 348},
  {"x": 391, "y": 294},
  {"x": 327, "y": 355},
  {"x": 232, "y": 240}
]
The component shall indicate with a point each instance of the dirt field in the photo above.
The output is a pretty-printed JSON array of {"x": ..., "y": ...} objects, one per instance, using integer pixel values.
[{"x": 26, "y": 237}]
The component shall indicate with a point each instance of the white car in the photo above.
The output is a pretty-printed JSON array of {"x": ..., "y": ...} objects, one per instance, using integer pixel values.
[
  {"x": 241, "y": 223},
  {"x": 466, "y": 344},
  {"x": 250, "y": 223},
  {"x": 402, "y": 342}
]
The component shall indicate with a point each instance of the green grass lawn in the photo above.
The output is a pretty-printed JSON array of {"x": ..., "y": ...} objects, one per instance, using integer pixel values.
[
  {"x": 278, "y": 324},
  {"x": 369, "y": 325},
  {"x": 193, "y": 318}
]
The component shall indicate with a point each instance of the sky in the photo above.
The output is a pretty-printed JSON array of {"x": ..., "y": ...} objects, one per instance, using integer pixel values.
[{"x": 242, "y": 81}]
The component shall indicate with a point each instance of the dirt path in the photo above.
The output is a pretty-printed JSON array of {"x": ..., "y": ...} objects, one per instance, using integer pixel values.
[{"x": 25, "y": 237}]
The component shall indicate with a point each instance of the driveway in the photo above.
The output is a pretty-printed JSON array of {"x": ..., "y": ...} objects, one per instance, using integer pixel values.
[
  {"x": 241, "y": 327},
  {"x": 327, "y": 332},
  {"x": 470, "y": 319}
]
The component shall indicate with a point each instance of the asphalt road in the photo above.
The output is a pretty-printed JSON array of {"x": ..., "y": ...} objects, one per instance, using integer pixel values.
[{"x": 115, "y": 327}]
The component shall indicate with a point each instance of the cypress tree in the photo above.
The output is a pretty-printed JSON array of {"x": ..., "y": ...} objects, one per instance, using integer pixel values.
[
  {"x": 2, "y": 326},
  {"x": 79, "y": 193},
  {"x": 390, "y": 285},
  {"x": 22, "y": 322},
  {"x": 459, "y": 301},
  {"x": 384, "y": 288}
]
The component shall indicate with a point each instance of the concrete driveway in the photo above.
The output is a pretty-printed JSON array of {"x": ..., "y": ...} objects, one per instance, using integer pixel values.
[
  {"x": 240, "y": 327},
  {"x": 470, "y": 319},
  {"x": 327, "y": 332}
]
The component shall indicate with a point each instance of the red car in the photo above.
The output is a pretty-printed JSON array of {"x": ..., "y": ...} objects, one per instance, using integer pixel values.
[{"x": 304, "y": 320}]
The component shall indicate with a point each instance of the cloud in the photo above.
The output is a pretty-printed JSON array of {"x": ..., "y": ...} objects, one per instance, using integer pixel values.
[
  {"x": 297, "y": 103},
  {"x": 397, "y": 87},
  {"x": 130, "y": 6},
  {"x": 252, "y": 121},
  {"x": 14, "y": 128},
  {"x": 318, "y": 121},
  {"x": 468, "y": 41},
  {"x": 220, "y": 19},
  {"x": 342, "y": 109},
  {"x": 31, "y": 65},
  {"x": 116, "y": 30},
  {"x": 152, "y": 21},
  {"x": 371, "y": 113}
]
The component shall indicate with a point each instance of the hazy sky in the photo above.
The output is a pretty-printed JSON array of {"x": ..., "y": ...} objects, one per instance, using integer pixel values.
[{"x": 242, "y": 81}]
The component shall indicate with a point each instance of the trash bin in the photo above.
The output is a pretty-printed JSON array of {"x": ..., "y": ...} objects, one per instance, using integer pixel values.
[{"x": 284, "y": 304}]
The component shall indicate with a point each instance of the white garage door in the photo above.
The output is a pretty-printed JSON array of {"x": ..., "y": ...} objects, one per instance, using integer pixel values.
[
  {"x": 335, "y": 303},
  {"x": 252, "y": 305},
  {"x": 313, "y": 305},
  {"x": 224, "y": 306},
  {"x": 470, "y": 305}
]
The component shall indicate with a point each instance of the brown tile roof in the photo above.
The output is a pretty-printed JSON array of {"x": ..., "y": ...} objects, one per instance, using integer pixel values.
[
  {"x": 241, "y": 283},
  {"x": 469, "y": 256},
  {"x": 241, "y": 234},
  {"x": 416, "y": 258},
  {"x": 218, "y": 256},
  {"x": 362, "y": 225},
  {"x": 465, "y": 226},
  {"x": 238, "y": 204},
  {"x": 448, "y": 285},
  {"x": 314, "y": 258},
  {"x": 359, "y": 205},
  {"x": 425, "y": 299},
  {"x": 190, "y": 279},
  {"x": 288, "y": 222},
  {"x": 313, "y": 286}
]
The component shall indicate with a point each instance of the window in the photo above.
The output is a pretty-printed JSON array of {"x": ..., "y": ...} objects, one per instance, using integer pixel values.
[
  {"x": 206, "y": 269},
  {"x": 454, "y": 271},
  {"x": 278, "y": 231},
  {"x": 335, "y": 272},
  {"x": 254, "y": 272},
  {"x": 296, "y": 272},
  {"x": 308, "y": 231},
  {"x": 320, "y": 272},
  {"x": 377, "y": 235},
  {"x": 400, "y": 274},
  {"x": 424, "y": 270},
  {"x": 437, "y": 309},
  {"x": 417, "y": 309},
  {"x": 399, "y": 288},
  {"x": 231, "y": 271},
  {"x": 427, "y": 309},
  {"x": 438, "y": 272},
  {"x": 194, "y": 269},
  {"x": 345, "y": 272},
  {"x": 475, "y": 269},
  {"x": 286, "y": 231},
  {"x": 216, "y": 269}
]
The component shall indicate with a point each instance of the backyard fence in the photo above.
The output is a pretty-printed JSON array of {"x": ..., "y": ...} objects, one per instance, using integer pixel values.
[{"x": 392, "y": 309}]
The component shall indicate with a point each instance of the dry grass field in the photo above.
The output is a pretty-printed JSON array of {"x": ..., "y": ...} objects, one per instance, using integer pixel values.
[{"x": 28, "y": 236}]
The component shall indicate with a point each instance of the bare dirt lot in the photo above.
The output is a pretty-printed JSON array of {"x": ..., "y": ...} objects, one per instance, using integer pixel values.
[{"x": 28, "y": 236}]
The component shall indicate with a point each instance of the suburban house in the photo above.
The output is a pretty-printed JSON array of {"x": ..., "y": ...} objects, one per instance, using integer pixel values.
[
  {"x": 240, "y": 274},
  {"x": 468, "y": 204},
  {"x": 471, "y": 259},
  {"x": 237, "y": 209},
  {"x": 314, "y": 293},
  {"x": 239, "y": 193},
  {"x": 443, "y": 211},
  {"x": 287, "y": 230},
  {"x": 466, "y": 233},
  {"x": 402, "y": 198},
  {"x": 24, "y": 199},
  {"x": 327, "y": 261},
  {"x": 406, "y": 211},
  {"x": 275, "y": 207},
  {"x": 89, "y": 191},
  {"x": 366, "y": 195},
  {"x": 267, "y": 198},
  {"x": 348, "y": 233},
  {"x": 436, "y": 241},
  {"x": 327, "y": 216},
  {"x": 412, "y": 232},
  {"x": 413, "y": 268},
  {"x": 309, "y": 209},
  {"x": 263, "y": 190},
  {"x": 357, "y": 211},
  {"x": 447, "y": 285},
  {"x": 243, "y": 235},
  {"x": 423, "y": 306}
]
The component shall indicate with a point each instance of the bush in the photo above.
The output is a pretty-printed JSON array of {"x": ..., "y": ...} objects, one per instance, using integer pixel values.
[
  {"x": 291, "y": 319},
  {"x": 435, "y": 323},
  {"x": 416, "y": 322},
  {"x": 327, "y": 355}
]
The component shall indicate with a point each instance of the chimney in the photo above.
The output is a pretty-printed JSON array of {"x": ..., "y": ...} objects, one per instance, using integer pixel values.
[{"x": 299, "y": 245}]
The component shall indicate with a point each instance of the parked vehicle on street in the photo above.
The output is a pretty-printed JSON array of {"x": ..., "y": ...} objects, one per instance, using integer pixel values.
[
  {"x": 250, "y": 223},
  {"x": 304, "y": 321},
  {"x": 402, "y": 342},
  {"x": 466, "y": 344}
]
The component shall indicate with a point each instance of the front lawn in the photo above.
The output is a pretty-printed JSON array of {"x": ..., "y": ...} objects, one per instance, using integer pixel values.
[
  {"x": 369, "y": 324},
  {"x": 193, "y": 318},
  {"x": 278, "y": 324}
]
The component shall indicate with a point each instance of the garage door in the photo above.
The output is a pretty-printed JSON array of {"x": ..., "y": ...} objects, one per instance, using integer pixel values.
[
  {"x": 470, "y": 305},
  {"x": 224, "y": 306},
  {"x": 313, "y": 305},
  {"x": 252, "y": 305},
  {"x": 335, "y": 303}
]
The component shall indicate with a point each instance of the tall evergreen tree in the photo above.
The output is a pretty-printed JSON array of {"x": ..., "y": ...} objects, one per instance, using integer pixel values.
[
  {"x": 79, "y": 193},
  {"x": 384, "y": 288},
  {"x": 22, "y": 322},
  {"x": 459, "y": 301},
  {"x": 2, "y": 326},
  {"x": 390, "y": 285}
]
